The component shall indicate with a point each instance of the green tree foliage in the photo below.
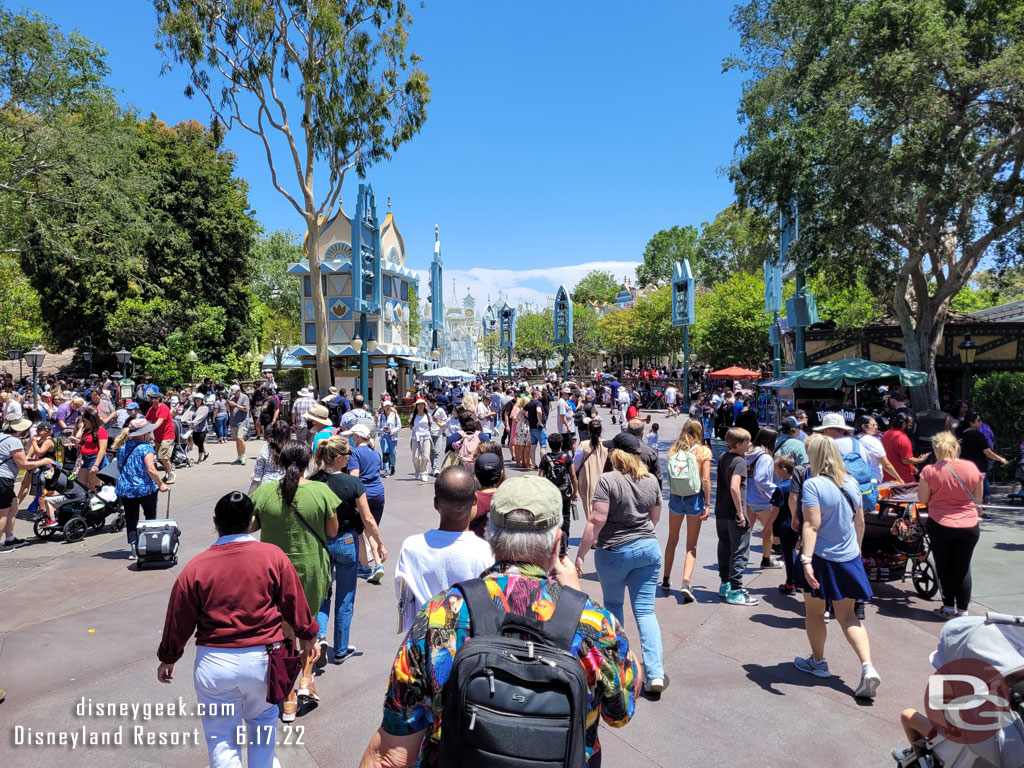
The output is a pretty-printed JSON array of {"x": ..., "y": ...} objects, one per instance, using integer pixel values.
[
  {"x": 732, "y": 326},
  {"x": 989, "y": 288},
  {"x": 358, "y": 94},
  {"x": 65, "y": 145},
  {"x": 191, "y": 251},
  {"x": 652, "y": 330},
  {"x": 843, "y": 298},
  {"x": 586, "y": 342},
  {"x": 615, "y": 332},
  {"x": 21, "y": 318},
  {"x": 999, "y": 398},
  {"x": 535, "y": 334},
  {"x": 897, "y": 126},
  {"x": 739, "y": 239},
  {"x": 597, "y": 286},
  {"x": 277, "y": 291},
  {"x": 491, "y": 346},
  {"x": 663, "y": 250}
]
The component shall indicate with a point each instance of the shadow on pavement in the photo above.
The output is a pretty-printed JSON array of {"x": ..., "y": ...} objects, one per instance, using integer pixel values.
[
  {"x": 778, "y": 622},
  {"x": 768, "y": 676},
  {"x": 117, "y": 554}
]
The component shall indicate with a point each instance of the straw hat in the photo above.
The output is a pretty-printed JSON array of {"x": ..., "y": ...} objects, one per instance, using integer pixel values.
[{"x": 319, "y": 414}]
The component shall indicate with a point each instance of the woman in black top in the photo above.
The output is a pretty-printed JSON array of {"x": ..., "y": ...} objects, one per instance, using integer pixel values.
[
  {"x": 354, "y": 517},
  {"x": 974, "y": 447}
]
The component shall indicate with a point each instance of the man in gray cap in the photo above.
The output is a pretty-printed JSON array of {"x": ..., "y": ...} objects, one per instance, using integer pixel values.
[{"x": 524, "y": 530}]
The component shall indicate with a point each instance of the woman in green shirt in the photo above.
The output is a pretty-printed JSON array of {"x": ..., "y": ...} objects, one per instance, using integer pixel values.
[{"x": 298, "y": 516}]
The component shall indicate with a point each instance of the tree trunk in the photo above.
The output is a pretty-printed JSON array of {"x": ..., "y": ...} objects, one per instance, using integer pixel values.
[
  {"x": 323, "y": 365},
  {"x": 920, "y": 347}
]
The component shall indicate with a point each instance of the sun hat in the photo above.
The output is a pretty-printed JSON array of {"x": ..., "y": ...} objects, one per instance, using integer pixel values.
[
  {"x": 624, "y": 442},
  {"x": 304, "y": 392},
  {"x": 319, "y": 414},
  {"x": 199, "y": 395},
  {"x": 140, "y": 427},
  {"x": 533, "y": 494},
  {"x": 833, "y": 421},
  {"x": 363, "y": 431},
  {"x": 174, "y": 400},
  {"x": 999, "y": 643},
  {"x": 20, "y": 425},
  {"x": 332, "y": 390},
  {"x": 154, "y": 392},
  {"x": 420, "y": 400}
]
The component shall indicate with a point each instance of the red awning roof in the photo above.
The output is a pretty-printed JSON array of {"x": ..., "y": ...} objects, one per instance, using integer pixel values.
[{"x": 734, "y": 373}]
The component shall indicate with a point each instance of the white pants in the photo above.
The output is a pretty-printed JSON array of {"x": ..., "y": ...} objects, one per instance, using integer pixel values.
[
  {"x": 226, "y": 677},
  {"x": 421, "y": 456}
]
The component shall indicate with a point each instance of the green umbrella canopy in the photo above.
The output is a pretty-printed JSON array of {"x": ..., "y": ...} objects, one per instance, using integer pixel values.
[{"x": 846, "y": 373}]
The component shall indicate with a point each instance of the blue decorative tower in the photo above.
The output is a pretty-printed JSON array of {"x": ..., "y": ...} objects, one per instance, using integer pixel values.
[
  {"x": 366, "y": 282},
  {"x": 507, "y": 339},
  {"x": 683, "y": 316},
  {"x": 436, "y": 298},
  {"x": 563, "y": 326}
]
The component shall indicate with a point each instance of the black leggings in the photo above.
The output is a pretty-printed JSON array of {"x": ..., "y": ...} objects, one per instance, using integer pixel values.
[
  {"x": 199, "y": 439},
  {"x": 952, "y": 548},
  {"x": 131, "y": 512}
]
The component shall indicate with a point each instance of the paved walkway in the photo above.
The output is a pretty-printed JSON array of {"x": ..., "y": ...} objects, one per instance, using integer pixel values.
[{"x": 80, "y": 626}]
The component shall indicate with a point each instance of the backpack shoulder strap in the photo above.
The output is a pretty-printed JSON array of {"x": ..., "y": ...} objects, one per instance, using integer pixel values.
[
  {"x": 560, "y": 629},
  {"x": 484, "y": 617}
]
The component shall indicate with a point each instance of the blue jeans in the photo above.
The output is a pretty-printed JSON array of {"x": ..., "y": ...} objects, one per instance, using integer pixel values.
[
  {"x": 344, "y": 550},
  {"x": 389, "y": 451},
  {"x": 634, "y": 565},
  {"x": 221, "y": 426}
]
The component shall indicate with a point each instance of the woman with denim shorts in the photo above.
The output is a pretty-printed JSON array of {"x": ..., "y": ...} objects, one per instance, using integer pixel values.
[
  {"x": 695, "y": 507},
  {"x": 760, "y": 489}
]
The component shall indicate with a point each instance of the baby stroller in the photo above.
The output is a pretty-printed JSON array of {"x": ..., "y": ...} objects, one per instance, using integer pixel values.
[
  {"x": 80, "y": 509},
  {"x": 895, "y": 540},
  {"x": 179, "y": 453}
]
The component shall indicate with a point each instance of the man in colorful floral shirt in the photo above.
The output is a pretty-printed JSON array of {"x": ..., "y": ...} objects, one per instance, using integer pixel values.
[{"x": 525, "y": 521}]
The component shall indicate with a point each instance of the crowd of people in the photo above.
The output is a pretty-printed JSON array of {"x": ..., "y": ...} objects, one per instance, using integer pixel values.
[{"x": 317, "y": 494}]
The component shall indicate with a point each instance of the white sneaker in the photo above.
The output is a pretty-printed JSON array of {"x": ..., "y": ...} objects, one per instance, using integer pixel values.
[
  {"x": 869, "y": 682},
  {"x": 657, "y": 685},
  {"x": 170, "y": 478}
]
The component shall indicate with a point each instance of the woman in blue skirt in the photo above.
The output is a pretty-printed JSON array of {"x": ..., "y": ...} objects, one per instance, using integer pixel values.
[{"x": 833, "y": 528}]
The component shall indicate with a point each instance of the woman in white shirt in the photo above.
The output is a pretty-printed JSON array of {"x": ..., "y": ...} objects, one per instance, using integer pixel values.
[
  {"x": 419, "y": 422},
  {"x": 388, "y": 426},
  {"x": 867, "y": 434}
]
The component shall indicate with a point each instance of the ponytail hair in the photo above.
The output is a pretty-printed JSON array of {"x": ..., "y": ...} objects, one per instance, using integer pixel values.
[
  {"x": 594, "y": 429},
  {"x": 295, "y": 457}
]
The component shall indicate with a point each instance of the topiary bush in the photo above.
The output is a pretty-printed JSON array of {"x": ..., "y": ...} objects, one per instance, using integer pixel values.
[
  {"x": 999, "y": 398},
  {"x": 292, "y": 380}
]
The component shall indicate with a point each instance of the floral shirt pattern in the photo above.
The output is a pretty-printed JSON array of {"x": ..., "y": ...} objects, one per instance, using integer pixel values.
[
  {"x": 134, "y": 481},
  {"x": 424, "y": 662}
]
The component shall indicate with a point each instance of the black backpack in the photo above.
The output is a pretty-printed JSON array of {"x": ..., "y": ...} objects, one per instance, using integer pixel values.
[
  {"x": 512, "y": 702},
  {"x": 558, "y": 472}
]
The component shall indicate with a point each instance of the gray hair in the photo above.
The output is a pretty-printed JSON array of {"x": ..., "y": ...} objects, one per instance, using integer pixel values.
[{"x": 522, "y": 546}]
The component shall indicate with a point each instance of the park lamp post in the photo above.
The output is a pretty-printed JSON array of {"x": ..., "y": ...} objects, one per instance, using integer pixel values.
[
  {"x": 87, "y": 356},
  {"x": 489, "y": 322},
  {"x": 35, "y": 359},
  {"x": 968, "y": 351},
  {"x": 192, "y": 358},
  {"x": 248, "y": 358}
]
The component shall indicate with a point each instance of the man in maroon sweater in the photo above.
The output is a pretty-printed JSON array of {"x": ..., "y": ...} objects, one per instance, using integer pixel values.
[{"x": 234, "y": 597}]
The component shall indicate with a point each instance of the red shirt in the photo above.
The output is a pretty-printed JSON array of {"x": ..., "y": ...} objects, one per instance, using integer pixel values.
[
  {"x": 234, "y": 596},
  {"x": 91, "y": 447},
  {"x": 166, "y": 430},
  {"x": 483, "y": 509},
  {"x": 898, "y": 447}
]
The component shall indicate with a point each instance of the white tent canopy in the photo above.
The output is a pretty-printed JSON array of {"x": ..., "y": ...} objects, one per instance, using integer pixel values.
[{"x": 448, "y": 373}]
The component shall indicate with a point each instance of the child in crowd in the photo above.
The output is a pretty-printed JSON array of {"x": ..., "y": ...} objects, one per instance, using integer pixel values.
[
  {"x": 731, "y": 518},
  {"x": 652, "y": 437},
  {"x": 556, "y": 466}
]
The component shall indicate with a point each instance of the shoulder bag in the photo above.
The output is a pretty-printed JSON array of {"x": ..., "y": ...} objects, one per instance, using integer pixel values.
[{"x": 963, "y": 485}]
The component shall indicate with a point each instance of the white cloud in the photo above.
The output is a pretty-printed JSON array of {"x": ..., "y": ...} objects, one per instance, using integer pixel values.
[{"x": 523, "y": 286}]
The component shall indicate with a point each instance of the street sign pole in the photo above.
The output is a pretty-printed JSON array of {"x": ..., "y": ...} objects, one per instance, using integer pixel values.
[{"x": 686, "y": 368}]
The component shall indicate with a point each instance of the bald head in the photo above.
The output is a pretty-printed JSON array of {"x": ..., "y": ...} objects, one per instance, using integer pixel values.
[
  {"x": 635, "y": 427},
  {"x": 454, "y": 491}
]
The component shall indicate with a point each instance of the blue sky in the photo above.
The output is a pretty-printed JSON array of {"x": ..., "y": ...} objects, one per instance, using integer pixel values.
[{"x": 560, "y": 134}]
